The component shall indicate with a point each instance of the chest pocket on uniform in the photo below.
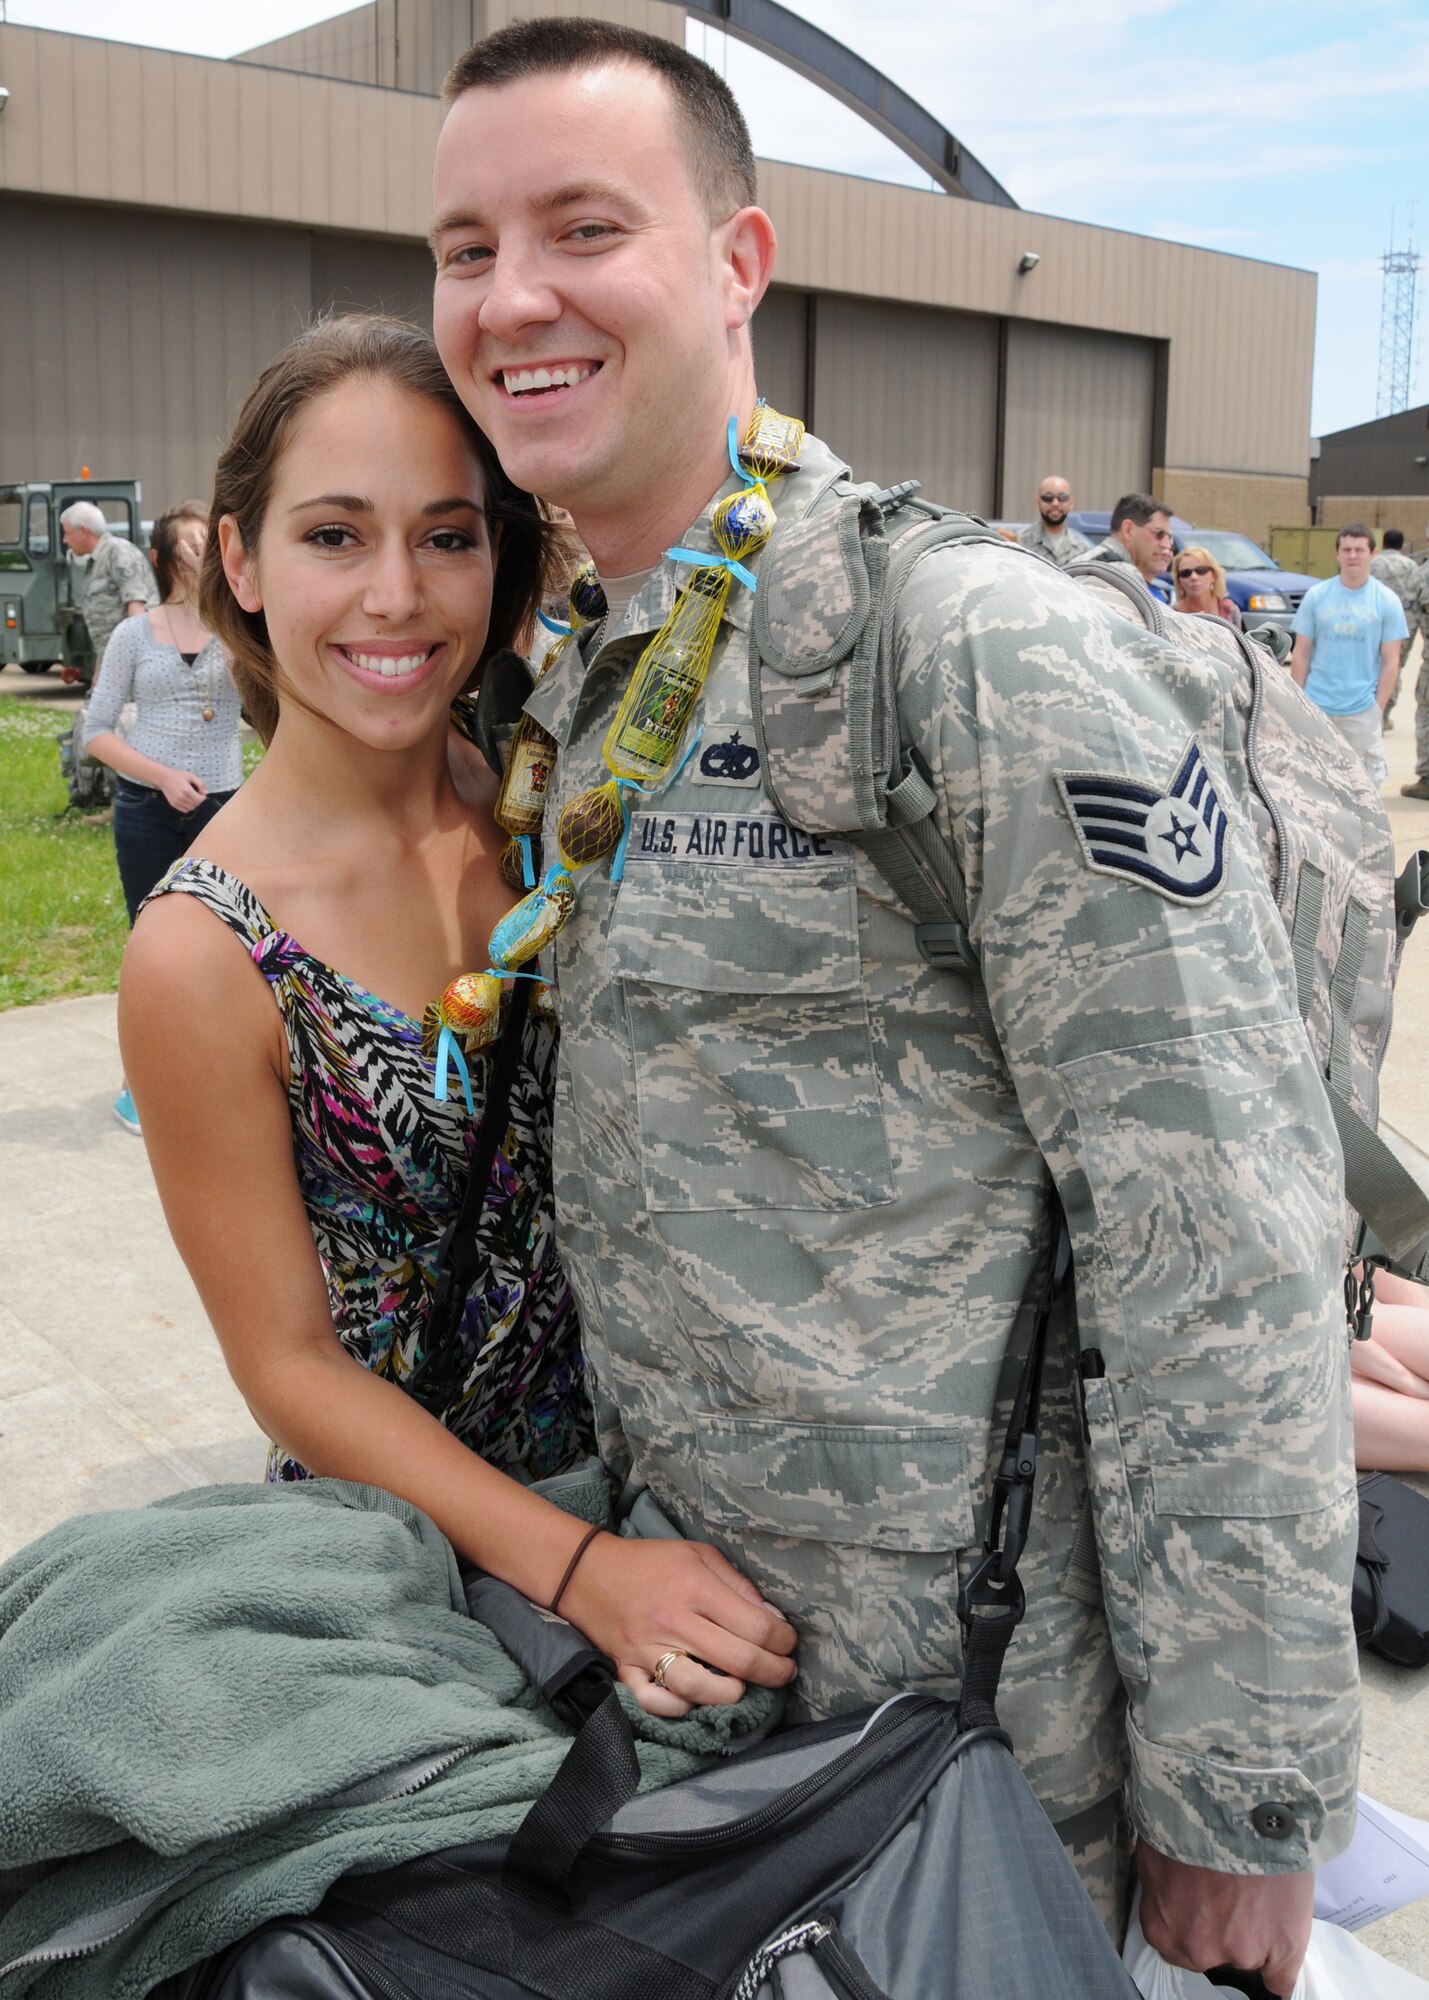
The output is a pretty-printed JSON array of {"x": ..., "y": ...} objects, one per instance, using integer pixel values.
[{"x": 754, "y": 1070}]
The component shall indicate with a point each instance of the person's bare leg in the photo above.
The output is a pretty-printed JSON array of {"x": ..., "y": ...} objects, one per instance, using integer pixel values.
[
  {"x": 1403, "y": 1331},
  {"x": 1391, "y": 1429},
  {"x": 1395, "y": 1291}
]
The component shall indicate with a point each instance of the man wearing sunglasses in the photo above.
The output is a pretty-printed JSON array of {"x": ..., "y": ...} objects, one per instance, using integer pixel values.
[
  {"x": 1140, "y": 535},
  {"x": 1050, "y": 535}
]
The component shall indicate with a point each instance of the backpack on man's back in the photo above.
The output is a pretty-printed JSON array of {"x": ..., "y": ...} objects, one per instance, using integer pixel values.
[{"x": 824, "y": 689}]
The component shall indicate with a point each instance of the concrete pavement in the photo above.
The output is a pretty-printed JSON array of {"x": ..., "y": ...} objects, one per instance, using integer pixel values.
[{"x": 113, "y": 1392}]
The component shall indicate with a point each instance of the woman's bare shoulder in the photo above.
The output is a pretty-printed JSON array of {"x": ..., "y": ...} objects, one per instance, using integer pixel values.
[{"x": 184, "y": 964}]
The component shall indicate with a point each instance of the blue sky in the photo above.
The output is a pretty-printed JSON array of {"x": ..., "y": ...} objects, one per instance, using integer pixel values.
[{"x": 1291, "y": 132}]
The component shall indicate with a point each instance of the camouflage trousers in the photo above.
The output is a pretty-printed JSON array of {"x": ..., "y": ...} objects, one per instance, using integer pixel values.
[
  {"x": 1098, "y": 1843},
  {"x": 1421, "y": 710}
]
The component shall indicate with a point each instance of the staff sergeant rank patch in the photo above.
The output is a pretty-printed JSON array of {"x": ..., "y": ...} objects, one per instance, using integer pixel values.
[{"x": 1172, "y": 841}]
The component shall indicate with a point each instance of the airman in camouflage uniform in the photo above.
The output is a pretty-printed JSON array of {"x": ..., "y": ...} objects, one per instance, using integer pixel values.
[
  {"x": 1049, "y": 534},
  {"x": 1068, "y": 547},
  {"x": 118, "y": 578},
  {"x": 804, "y": 1181},
  {"x": 1416, "y": 609},
  {"x": 1397, "y": 572}
]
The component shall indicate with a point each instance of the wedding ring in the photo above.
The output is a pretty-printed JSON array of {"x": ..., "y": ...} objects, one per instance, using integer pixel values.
[{"x": 664, "y": 1664}]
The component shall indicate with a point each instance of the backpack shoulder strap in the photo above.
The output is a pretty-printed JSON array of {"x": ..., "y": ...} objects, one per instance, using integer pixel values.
[
  {"x": 823, "y": 693},
  {"x": 824, "y": 696}
]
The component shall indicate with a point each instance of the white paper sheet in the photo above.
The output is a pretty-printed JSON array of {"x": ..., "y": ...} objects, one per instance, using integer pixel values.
[{"x": 1385, "y": 1867}]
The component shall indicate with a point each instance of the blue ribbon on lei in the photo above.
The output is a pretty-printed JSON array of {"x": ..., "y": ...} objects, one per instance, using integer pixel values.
[
  {"x": 449, "y": 1050},
  {"x": 713, "y": 560},
  {"x": 625, "y": 786}
]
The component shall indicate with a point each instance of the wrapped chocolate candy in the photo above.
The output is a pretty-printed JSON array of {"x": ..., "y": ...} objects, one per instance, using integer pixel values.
[
  {"x": 590, "y": 825},
  {"x": 470, "y": 1007},
  {"x": 524, "y": 932}
]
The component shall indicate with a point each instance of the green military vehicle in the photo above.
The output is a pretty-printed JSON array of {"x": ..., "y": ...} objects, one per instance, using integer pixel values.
[{"x": 41, "y": 584}]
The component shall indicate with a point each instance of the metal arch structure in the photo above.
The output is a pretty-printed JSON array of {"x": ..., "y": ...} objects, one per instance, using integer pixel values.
[{"x": 812, "y": 54}]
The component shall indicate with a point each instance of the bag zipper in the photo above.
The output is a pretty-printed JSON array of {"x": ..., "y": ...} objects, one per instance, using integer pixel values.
[
  {"x": 88, "y": 1935},
  {"x": 822, "y": 1940},
  {"x": 842, "y": 1968},
  {"x": 800, "y": 1938},
  {"x": 754, "y": 1825}
]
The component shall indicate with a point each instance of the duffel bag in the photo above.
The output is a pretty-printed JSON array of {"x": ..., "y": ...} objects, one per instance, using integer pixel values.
[
  {"x": 892, "y": 1855},
  {"x": 898, "y": 1855}
]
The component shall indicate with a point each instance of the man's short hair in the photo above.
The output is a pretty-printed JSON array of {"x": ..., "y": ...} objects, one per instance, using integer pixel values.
[
  {"x": 1354, "y": 531},
  {"x": 1392, "y": 538},
  {"x": 84, "y": 514},
  {"x": 1137, "y": 507},
  {"x": 717, "y": 138}
]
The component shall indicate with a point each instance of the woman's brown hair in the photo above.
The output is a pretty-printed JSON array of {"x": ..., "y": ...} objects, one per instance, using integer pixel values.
[
  {"x": 331, "y": 352},
  {"x": 164, "y": 544}
]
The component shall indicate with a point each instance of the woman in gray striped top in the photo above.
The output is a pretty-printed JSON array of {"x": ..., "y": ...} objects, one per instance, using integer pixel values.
[{"x": 182, "y": 760}]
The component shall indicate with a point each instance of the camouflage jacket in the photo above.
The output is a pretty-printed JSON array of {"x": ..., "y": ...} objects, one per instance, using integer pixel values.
[
  {"x": 803, "y": 1188},
  {"x": 1060, "y": 549},
  {"x": 1396, "y": 571},
  {"x": 1416, "y": 598},
  {"x": 118, "y": 575}
]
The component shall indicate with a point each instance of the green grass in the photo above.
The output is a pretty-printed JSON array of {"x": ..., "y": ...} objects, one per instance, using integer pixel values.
[{"x": 62, "y": 924}]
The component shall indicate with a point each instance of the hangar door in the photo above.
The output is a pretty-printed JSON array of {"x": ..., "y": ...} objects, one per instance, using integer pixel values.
[
  {"x": 1078, "y": 403},
  {"x": 907, "y": 392},
  {"x": 781, "y": 340}
]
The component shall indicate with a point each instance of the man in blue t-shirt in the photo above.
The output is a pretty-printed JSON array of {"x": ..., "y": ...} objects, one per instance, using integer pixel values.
[{"x": 1348, "y": 632}]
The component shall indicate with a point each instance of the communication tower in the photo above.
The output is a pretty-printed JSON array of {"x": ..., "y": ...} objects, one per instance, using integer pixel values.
[{"x": 1398, "y": 302}]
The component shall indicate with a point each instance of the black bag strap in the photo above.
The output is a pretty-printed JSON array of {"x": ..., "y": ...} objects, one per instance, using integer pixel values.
[
  {"x": 992, "y": 1601},
  {"x": 459, "y": 1252},
  {"x": 599, "y": 1774},
  {"x": 1370, "y": 1564}
]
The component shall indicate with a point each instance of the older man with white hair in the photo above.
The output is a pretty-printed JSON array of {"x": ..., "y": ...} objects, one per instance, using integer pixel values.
[{"x": 120, "y": 583}]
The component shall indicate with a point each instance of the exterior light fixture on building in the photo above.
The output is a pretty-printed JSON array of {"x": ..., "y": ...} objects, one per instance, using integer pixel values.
[{"x": 1028, "y": 261}]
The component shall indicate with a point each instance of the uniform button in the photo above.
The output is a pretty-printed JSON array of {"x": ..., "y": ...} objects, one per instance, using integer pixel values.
[{"x": 1274, "y": 1822}]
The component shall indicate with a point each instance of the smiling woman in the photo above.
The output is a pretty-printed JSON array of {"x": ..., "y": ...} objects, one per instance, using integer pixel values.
[{"x": 367, "y": 555}]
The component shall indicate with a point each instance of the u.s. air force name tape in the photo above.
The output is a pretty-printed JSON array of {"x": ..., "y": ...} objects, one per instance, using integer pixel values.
[
  {"x": 1172, "y": 841},
  {"x": 726, "y": 838}
]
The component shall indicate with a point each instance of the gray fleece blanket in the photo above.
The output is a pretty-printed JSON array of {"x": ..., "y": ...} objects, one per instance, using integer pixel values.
[{"x": 213, "y": 1707}]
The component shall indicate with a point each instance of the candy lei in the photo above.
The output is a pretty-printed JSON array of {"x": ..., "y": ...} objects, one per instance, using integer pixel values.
[{"x": 640, "y": 749}]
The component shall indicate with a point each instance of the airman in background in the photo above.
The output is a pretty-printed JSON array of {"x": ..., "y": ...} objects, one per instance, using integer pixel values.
[
  {"x": 1398, "y": 572},
  {"x": 1049, "y": 533},
  {"x": 1416, "y": 611},
  {"x": 120, "y": 580},
  {"x": 1140, "y": 535}
]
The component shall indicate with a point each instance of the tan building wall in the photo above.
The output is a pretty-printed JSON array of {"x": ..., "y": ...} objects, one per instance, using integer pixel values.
[
  {"x": 1252, "y": 503},
  {"x": 129, "y": 339},
  {"x": 1408, "y": 511},
  {"x": 150, "y": 132},
  {"x": 412, "y": 47},
  {"x": 1241, "y": 333}
]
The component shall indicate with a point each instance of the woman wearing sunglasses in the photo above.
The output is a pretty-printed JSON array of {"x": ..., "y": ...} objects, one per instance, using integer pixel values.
[{"x": 1201, "y": 585}]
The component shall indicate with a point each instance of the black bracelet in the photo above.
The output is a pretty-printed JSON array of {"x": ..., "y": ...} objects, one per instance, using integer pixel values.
[{"x": 582, "y": 1546}]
